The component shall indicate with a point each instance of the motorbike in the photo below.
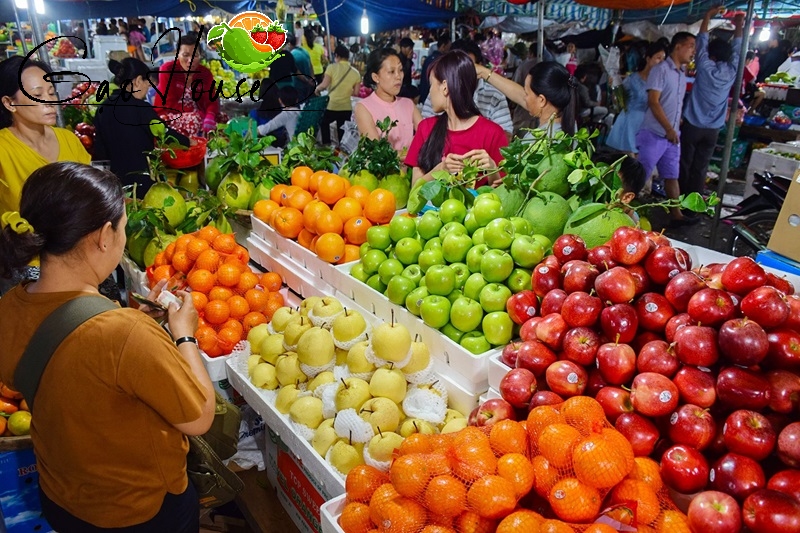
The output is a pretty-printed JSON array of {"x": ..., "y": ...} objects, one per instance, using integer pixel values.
[{"x": 755, "y": 216}]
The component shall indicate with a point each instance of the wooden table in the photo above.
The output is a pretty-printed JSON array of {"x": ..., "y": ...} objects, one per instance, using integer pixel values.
[{"x": 763, "y": 133}]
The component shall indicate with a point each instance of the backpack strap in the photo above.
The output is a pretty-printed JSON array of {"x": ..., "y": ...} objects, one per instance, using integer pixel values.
[{"x": 49, "y": 336}]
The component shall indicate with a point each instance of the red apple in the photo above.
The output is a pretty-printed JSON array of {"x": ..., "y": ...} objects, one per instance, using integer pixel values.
[
  {"x": 696, "y": 345},
  {"x": 787, "y": 482},
  {"x": 535, "y": 356},
  {"x": 767, "y": 306},
  {"x": 740, "y": 388},
  {"x": 770, "y": 511},
  {"x": 568, "y": 247},
  {"x": 615, "y": 402},
  {"x": 711, "y": 307},
  {"x": 712, "y": 511},
  {"x": 653, "y": 394},
  {"x": 693, "y": 426},
  {"x": 743, "y": 342},
  {"x": 657, "y": 239},
  {"x": 696, "y": 386},
  {"x": 682, "y": 287},
  {"x": 784, "y": 349},
  {"x": 784, "y": 391},
  {"x": 580, "y": 346},
  {"x": 616, "y": 363},
  {"x": 643, "y": 282},
  {"x": 509, "y": 354},
  {"x": 552, "y": 302},
  {"x": 684, "y": 469},
  {"x": 659, "y": 357},
  {"x": 742, "y": 275},
  {"x": 595, "y": 383},
  {"x": 619, "y": 322},
  {"x": 551, "y": 330},
  {"x": 545, "y": 279},
  {"x": 522, "y": 306},
  {"x": 628, "y": 245},
  {"x": 780, "y": 283},
  {"x": 615, "y": 285},
  {"x": 581, "y": 309},
  {"x": 793, "y": 322},
  {"x": 736, "y": 475},
  {"x": 528, "y": 330},
  {"x": 665, "y": 263},
  {"x": 566, "y": 379},
  {"x": 675, "y": 323},
  {"x": 545, "y": 397},
  {"x": 789, "y": 445},
  {"x": 517, "y": 387},
  {"x": 640, "y": 432},
  {"x": 579, "y": 276},
  {"x": 654, "y": 311},
  {"x": 749, "y": 433},
  {"x": 642, "y": 338},
  {"x": 600, "y": 258},
  {"x": 493, "y": 411}
]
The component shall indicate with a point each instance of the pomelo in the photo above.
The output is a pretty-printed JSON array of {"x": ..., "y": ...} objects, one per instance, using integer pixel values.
[
  {"x": 596, "y": 223},
  {"x": 365, "y": 178},
  {"x": 164, "y": 196},
  {"x": 400, "y": 186},
  {"x": 555, "y": 177},
  {"x": 235, "y": 191},
  {"x": 547, "y": 213},
  {"x": 157, "y": 244},
  {"x": 260, "y": 192}
]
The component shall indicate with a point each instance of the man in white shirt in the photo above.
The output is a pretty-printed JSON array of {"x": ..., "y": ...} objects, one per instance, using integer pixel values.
[{"x": 287, "y": 96}]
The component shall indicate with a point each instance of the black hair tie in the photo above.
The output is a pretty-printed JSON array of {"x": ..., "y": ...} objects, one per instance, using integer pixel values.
[{"x": 571, "y": 82}]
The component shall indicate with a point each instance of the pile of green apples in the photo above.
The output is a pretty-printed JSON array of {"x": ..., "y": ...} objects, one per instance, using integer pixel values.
[
  {"x": 455, "y": 268},
  {"x": 312, "y": 337}
]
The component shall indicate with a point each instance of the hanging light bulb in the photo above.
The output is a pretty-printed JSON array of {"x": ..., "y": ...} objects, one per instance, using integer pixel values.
[
  {"x": 364, "y": 22},
  {"x": 38, "y": 4},
  {"x": 765, "y": 34}
]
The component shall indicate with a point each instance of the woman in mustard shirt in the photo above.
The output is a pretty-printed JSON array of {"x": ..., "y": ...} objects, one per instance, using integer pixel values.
[{"x": 28, "y": 138}]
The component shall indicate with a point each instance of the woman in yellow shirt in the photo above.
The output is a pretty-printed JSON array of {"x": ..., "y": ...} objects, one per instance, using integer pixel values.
[
  {"x": 28, "y": 140},
  {"x": 317, "y": 53}
]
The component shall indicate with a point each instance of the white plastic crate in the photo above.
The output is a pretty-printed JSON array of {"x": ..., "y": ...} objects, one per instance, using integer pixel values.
[
  {"x": 268, "y": 235},
  {"x": 295, "y": 276},
  {"x": 330, "y": 513},
  {"x": 497, "y": 370}
]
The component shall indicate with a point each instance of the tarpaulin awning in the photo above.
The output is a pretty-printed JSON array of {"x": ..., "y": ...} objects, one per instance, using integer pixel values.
[
  {"x": 557, "y": 11},
  {"x": 514, "y": 24},
  {"x": 89, "y": 9},
  {"x": 345, "y": 15}
]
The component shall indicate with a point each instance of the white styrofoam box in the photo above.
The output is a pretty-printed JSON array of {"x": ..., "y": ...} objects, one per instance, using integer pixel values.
[
  {"x": 268, "y": 235},
  {"x": 215, "y": 366},
  {"x": 490, "y": 394},
  {"x": 295, "y": 276},
  {"x": 469, "y": 370},
  {"x": 761, "y": 161},
  {"x": 458, "y": 397},
  {"x": 330, "y": 513},
  {"x": 497, "y": 369}
]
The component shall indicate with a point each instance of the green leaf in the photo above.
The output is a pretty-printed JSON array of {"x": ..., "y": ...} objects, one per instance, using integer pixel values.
[
  {"x": 169, "y": 201},
  {"x": 693, "y": 202},
  {"x": 216, "y": 32},
  {"x": 415, "y": 202},
  {"x": 432, "y": 189},
  {"x": 577, "y": 176}
]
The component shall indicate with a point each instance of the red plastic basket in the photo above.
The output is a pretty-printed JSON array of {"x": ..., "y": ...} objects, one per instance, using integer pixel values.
[{"x": 188, "y": 157}]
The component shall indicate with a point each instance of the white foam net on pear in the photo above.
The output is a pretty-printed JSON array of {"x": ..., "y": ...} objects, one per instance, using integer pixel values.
[
  {"x": 425, "y": 404},
  {"x": 341, "y": 372},
  {"x": 269, "y": 395},
  {"x": 369, "y": 354},
  {"x": 271, "y": 329},
  {"x": 348, "y": 425},
  {"x": 313, "y": 371},
  {"x": 303, "y": 430},
  {"x": 426, "y": 375},
  {"x": 239, "y": 364},
  {"x": 346, "y": 345},
  {"x": 289, "y": 347},
  {"x": 327, "y": 393},
  {"x": 383, "y": 466},
  {"x": 322, "y": 321}
]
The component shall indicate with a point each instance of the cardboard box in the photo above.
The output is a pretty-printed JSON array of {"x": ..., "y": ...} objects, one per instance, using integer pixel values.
[
  {"x": 785, "y": 237},
  {"x": 20, "y": 509}
]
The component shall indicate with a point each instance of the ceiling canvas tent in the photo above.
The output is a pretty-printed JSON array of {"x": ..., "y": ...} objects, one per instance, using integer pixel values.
[
  {"x": 344, "y": 16},
  {"x": 555, "y": 11}
]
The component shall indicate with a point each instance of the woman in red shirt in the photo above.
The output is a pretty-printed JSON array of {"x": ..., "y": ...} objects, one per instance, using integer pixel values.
[
  {"x": 459, "y": 133},
  {"x": 175, "y": 102}
]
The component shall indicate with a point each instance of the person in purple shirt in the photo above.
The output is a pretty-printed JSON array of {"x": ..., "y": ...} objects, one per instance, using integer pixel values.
[
  {"x": 658, "y": 140},
  {"x": 707, "y": 104}
]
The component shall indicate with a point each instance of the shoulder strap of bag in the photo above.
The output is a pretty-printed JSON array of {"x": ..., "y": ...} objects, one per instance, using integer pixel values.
[
  {"x": 49, "y": 336},
  {"x": 349, "y": 68}
]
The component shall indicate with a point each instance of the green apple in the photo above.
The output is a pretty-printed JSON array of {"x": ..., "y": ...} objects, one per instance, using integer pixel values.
[
  {"x": 348, "y": 326},
  {"x": 288, "y": 370},
  {"x": 256, "y": 335},
  {"x": 455, "y": 295},
  {"x": 499, "y": 234},
  {"x": 363, "y": 249},
  {"x": 323, "y": 378},
  {"x": 475, "y": 256},
  {"x": 391, "y": 341},
  {"x": 519, "y": 280},
  {"x": 521, "y": 226},
  {"x": 375, "y": 282},
  {"x": 462, "y": 274},
  {"x": 486, "y": 209},
  {"x": 435, "y": 311},
  {"x": 452, "y": 210},
  {"x": 388, "y": 383},
  {"x": 414, "y": 299},
  {"x": 372, "y": 261},
  {"x": 346, "y": 456},
  {"x": 379, "y": 238},
  {"x": 282, "y": 317},
  {"x": 407, "y": 250},
  {"x": 451, "y": 332},
  {"x": 470, "y": 223},
  {"x": 295, "y": 330},
  {"x": 496, "y": 265},
  {"x": 493, "y": 297},
  {"x": 307, "y": 411},
  {"x": 382, "y": 413},
  {"x": 455, "y": 425},
  {"x": 324, "y": 437},
  {"x": 420, "y": 358},
  {"x": 264, "y": 376},
  {"x": 466, "y": 314},
  {"x": 352, "y": 394},
  {"x": 455, "y": 247},
  {"x": 356, "y": 359},
  {"x": 526, "y": 251},
  {"x": 479, "y": 236},
  {"x": 416, "y": 425},
  {"x": 382, "y": 446},
  {"x": 315, "y": 347},
  {"x": 473, "y": 286},
  {"x": 401, "y": 227},
  {"x": 271, "y": 347},
  {"x": 434, "y": 243},
  {"x": 358, "y": 272},
  {"x": 498, "y": 328},
  {"x": 440, "y": 280},
  {"x": 398, "y": 288},
  {"x": 475, "y": 343},
  {"x": 389, "y": 269},
  {"x": 544, "y": 240},
  {"x": 286, "y": 397},
  {"x": 430, "y": 257},
  {"x": 452, "y": 227},
  {"x": 429, "y": 225},
  {"x": 414, "y": 273}
]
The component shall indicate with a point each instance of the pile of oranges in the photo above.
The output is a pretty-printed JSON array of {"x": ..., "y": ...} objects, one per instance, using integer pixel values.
[
  {"x": 11, "y": 401},
  {"x": 324, "y": 213},
  {"x": 559, "y": 471},
  {"x": 229, "y": 297}
]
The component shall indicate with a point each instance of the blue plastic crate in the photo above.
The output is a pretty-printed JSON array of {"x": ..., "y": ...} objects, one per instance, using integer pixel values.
[
  {"x": 768, "y": 258},
  {"x": 20, "y": 508}
]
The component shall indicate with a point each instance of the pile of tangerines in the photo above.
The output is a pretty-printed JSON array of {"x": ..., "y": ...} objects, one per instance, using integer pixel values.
[
  {"x": 561, "y": 470},
  {"x": 324, "y": 213},
  {"x": 230, "y": 298}
]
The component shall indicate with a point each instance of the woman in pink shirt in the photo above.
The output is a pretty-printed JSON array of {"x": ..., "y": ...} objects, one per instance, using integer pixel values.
[
  {"x": 384, "y": 74},
  {"x": 460, "y": 133}
]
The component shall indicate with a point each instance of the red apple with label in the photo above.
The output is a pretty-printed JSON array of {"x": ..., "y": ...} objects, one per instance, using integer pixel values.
[
  {"x": 684, "y": 469},
  {"x": 640, "y": 431},
  {"x": 566, "y": 379},
  {"x": 581, "y": 309},
  {"x": 743, "y": 342},
  {"x": 693, "y": 426},
  {"x": 522, "y": 306},
  {"x": 615, "y": 402},
  {"x": 619, "y": 322},
  {"x": 659, "y": 357},
  {"x": 628, "y": 245},
  {"x": 535, "y": 356},
  {"x": 682, "y": 287},
  {"x": 580, "y": 346},
  {"x": 545, "y": 279},
  {"x": 767, "y": 306},
  {"x": 675, "y": 323},
  {"x": 711, "y": 307},
  {"x": 654, "y": 311},
  {"x": 784, "y": 391},
  {"x": 737, "y": 475},
  {"x": 579, "y": 276},
  {"x": 740, "y": 388},
  {"x": 696, "y": 345},
  {"x": 600, "y": 258},
  {"x": 517, "y": 387},
  {"x": 616, "y": 363},
  {"x": 653, "y": 394},
  {"x": 712, "y": 511},
  {"x": 696, "y": 386},
  {"x": 742, "y": 275},
  {"x": 749, "y": 433},
  {"x": 615, "y": 285},
  {"x": 789, "y": 445},
  {"x": 568, "y": 247},
  {"x": 665, "y": 263},
  {"x": 493, "y": 411},
  {"x": 787, "y": 482},
  {"x": 770, "y": 511},
  {"x": 552, "y": 302}
]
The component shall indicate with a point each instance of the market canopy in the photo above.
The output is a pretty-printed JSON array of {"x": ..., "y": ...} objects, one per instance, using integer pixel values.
[{"x": 383, "y": 15}]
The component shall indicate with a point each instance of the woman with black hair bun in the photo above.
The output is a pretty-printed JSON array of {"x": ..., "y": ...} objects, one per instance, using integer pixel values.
[
  {"x": 549, "y": 94},
  {"x": 460, "y": 133},
  {"x": 122, "y": 125},
  {"x": 384, "y": 74}
]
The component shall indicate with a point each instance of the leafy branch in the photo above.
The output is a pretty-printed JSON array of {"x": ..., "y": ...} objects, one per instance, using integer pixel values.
[{"x": 376, "y": 156}]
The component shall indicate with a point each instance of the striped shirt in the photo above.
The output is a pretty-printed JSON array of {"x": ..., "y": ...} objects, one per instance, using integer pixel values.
[{"x": 491, "y": 103}]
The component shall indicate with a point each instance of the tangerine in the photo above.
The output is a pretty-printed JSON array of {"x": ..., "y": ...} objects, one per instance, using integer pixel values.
[
  {"x": 241, "y": 253},
  {"x": 331, "y": 189},
  {"x": 238, "y": 306},
  {"x": 276, "y": 193},
  {"x": 287, "y": 194},
  {"x": 584, "y": 413},
  {"x": 208, "y": 260},
  {"x": 228, "y": 275},
  {"x": 263, "y": 210},
  {"x": 672, "y": 522},
  {"x": 196, "y": 247},
  {"x": 401, "y": 514},
  {"x": 305, "y": 238},
  {"x": 380, "y": 206},
  {"x": 301, "y": 176},
  {"x": 219, "y": 293},
  {"x": 273, "y": 305},
  {"x": 359, "y": 192},
  {"x": 271, "y": 281},
  {"x": 330, "y": 247},
  {"x": 228, "y": 338},
  {"x": 247, "y": 281},
  {"x": 382, "y": 495},
  {"x": 539, "y": 418},
  {"x": 234, "y": 324},
  {"x": 556, "y": 443},
  {"x": 474, "y": 460},
  {"x": 555, "y": 526},
  {"x": 182, "y": 242},
  {"x": 598, "y": 463},
  {"x": 299, "y": 199},
  {"x": 201, "y": 280},
  {"x": 257, "y": 299},
  {"x": 471, "y": 522},
  {"x": 253, "y": 319},
  {"x": 355, "y": 230},
  {"x": 517, "y": 469},
  {"x": 160, "y": 260},
  {"x": 206, "y": 338},
  {"x": 355, "y": 518},
  {"x": 288, "y": 222},
  {"x": 347, "y": 208},
  {"x": 217, "y": 312},
  {"x": 574, "y": 501},
  {"x": 224, "y": 243},
  {"x": 351, "y": 253},
  {"x": 199, "y": 300},
  {"x": 316, "y": 177},
  {"x": 208, "y": 233},
  {"x": 599, "y": 528},
  {"x": 647, "y": 470},
  {"x": 328, "y": 222},
  {"x": 648, "y": 506},
  {"x": 492, "y": 497},
  {"x": 445, "y": 496},
  {"x": 623, "y": 446},
  {"x": 163, "y": 272},
  {"x": 415, "y": 443},
  {"x": 520, "y": 521},
  {"x": 410, "y": 475},
  {"x": 362, "y": 481},
  {"x": 169, "y": 251},
  {"x": 508, "y": 436},
  {"x": 311, "y": 212},
  {"x": 545, "y": 475}
]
